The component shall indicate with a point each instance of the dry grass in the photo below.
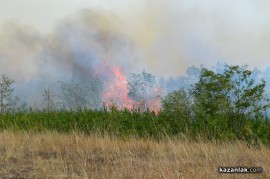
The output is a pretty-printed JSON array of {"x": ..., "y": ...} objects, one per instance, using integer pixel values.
[{"x": 52, "y": 155}]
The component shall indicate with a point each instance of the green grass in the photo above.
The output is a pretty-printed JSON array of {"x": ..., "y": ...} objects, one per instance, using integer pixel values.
[
  {"x": 120, "y": 123},
  {"x": 124, "y": 124}
]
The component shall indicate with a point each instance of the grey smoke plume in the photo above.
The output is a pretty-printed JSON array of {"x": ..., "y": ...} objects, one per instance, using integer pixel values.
[
  {"x": 76, "y": 49},
  {"x": 163, "y": 37}
]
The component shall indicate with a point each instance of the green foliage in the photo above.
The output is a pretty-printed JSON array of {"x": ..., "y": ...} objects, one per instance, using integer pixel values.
[
  {"x": 220, "y": 106},
  {"x": 121, "y": 123},
  {"x": 126, "y": 124},
  {"x": 231, "y": 97},
  {"x": 177, "y": 109}
]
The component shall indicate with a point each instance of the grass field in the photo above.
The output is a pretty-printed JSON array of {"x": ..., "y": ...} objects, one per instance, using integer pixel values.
[{"x": 74, "y": 155}]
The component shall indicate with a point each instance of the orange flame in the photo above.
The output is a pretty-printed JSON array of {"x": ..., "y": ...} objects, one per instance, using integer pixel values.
[{"x": 116, "y": 92}]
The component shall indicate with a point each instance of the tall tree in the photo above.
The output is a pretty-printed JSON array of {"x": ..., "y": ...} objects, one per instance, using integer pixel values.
[
  {"x": 7, "y": 98},
  {"x": 232, "y": 93}
]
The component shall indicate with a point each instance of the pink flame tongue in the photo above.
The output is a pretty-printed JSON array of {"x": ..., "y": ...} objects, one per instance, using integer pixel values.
[{"x": 116, "y": 91}]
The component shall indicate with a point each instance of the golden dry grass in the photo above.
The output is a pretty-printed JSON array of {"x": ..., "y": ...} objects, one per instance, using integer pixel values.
[{"x": 53, "y": 155}]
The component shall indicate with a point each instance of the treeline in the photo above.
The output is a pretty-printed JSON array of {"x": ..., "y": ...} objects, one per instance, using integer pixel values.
[
  {"x": 228, "y": 105},
  {"x": 83, "y": 92}
]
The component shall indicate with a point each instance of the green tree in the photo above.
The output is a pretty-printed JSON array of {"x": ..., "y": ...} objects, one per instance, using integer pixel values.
[
  {"x": 211, "y": 93},
  {"x": 247, "y": 97},
  {"x": 7, "y": 99},
  {"x": 232, "y": 96},
  {"x": 177, "y": 108}
]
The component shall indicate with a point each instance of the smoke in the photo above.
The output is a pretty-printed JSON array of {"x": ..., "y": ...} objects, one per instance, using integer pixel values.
[
  {"x": 163, "y": 37},
  {"x": 167, "y": 37},
  {"x": 170, "y": 36},
  {"x": 77, "y": 48}
]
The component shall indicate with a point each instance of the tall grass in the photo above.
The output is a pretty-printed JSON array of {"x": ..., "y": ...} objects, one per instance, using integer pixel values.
[
  {"x": 54, "y": 155},
  {"x": 126, "y": 123},
  {"x": 117, "y": 122}
]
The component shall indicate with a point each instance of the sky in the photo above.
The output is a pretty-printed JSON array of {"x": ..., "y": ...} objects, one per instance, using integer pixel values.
[
  {"x": 165, "y": 37},
  {"x": 44, "y": 14}
]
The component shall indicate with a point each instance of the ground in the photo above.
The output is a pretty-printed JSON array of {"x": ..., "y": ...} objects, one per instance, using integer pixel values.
[{"x": 54, "y": 155}]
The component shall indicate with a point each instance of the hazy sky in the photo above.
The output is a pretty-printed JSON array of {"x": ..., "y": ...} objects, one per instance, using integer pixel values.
[
  {"x": 169, "y": 35},
  {"x": 43, "y": 14}
]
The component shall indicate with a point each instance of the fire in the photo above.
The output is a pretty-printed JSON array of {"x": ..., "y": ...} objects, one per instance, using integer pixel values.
[{"x": 116, "y": 92}]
